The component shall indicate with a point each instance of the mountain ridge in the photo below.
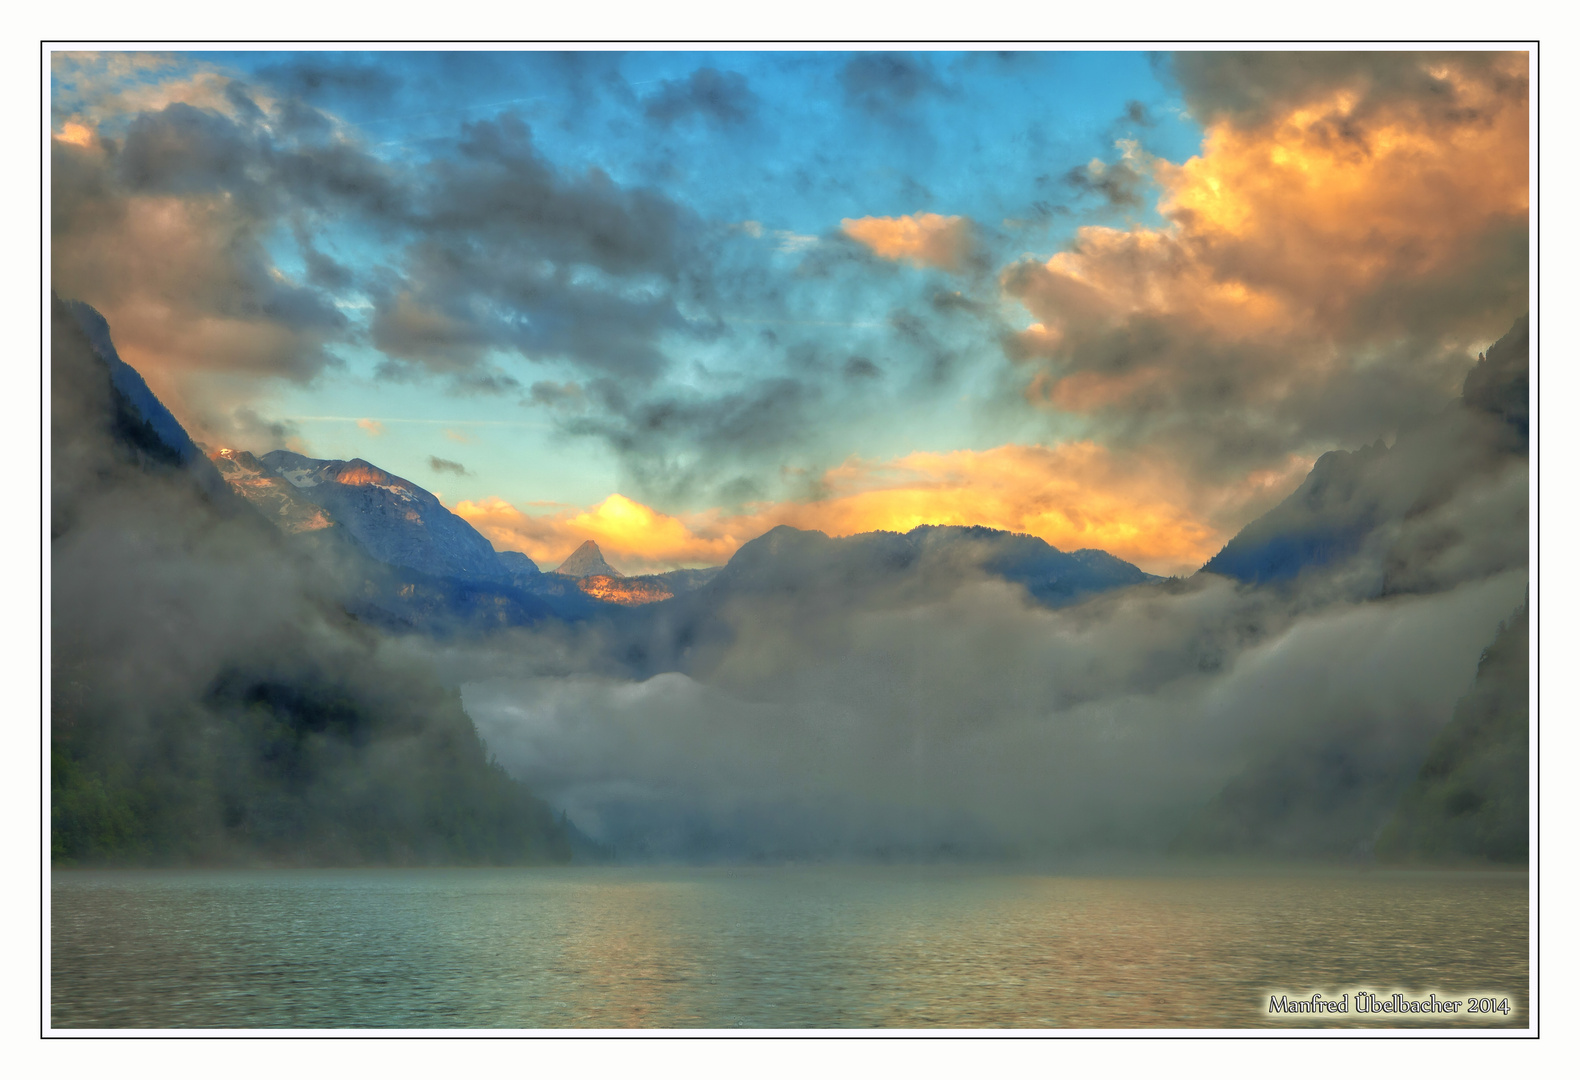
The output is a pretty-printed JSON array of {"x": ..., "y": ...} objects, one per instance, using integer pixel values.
[{"x": 1387, "y": 502}]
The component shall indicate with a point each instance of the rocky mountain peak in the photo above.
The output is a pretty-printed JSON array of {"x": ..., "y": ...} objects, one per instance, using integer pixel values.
[{"x": 587, "y": 561}]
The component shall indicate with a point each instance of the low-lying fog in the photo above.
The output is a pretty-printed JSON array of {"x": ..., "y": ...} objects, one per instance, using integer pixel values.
[{"x": 975, "y": 724}]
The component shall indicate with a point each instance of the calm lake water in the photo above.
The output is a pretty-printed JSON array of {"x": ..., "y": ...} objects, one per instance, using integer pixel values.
[{"x": 764, "y": 948}]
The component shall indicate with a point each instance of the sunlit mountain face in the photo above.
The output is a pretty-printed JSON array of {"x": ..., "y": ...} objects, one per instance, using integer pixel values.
[
  {"x": 621, "y": 590},
  {"x": 668, "y": 301},
  {"x": 271, "y": 494}
]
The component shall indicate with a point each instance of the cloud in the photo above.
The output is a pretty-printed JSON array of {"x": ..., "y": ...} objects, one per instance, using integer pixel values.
[
  {"x": 172, "y": 191},
  {"x": 790, "y": 242},
  {"x": 459, "y": 436},
  {"x": 859, "y": 367},
  {"x": 1120, "y": 183},
  {"x": 1138, "y": 507},
  {"x": 556, "y": 395},
  {"x": 1256, "y": 88},
  {"x": 1325, "y": 264},
  {"x": 344, "y": 78},
  {"x": 883, "y": 83},
  {"x": 950, "y": 716},
  {"x": 444, "y": 465},
  {"x": 372, "y": 427},
  {"x": 96, "y": 88},
  {"x": 633, "y": 537},
  {"x": 968, "y": 722},
  {"x": 721, "y": 98},
  {"x": 510, "y": 255},
  {"x": 922, "y": 239},
  {"x": 673, "y": 441},
  {"x": 162, "y": 222}
]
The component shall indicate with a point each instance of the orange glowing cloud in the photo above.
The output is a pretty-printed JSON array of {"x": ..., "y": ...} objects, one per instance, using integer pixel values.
[
  {"x": 1140, "y": 507},
  {"x": 922, "y": 239},
  {"x": 1330, "y": 230},
  {"x": 633, "y": 538},
  {"x": 76, "y": 134}
]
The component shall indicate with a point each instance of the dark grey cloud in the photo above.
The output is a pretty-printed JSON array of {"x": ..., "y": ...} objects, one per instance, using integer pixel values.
[
  {"x": 716, "y": 97},
  {"x": 859, "y": 367},
  {"x": 1220, "y": 406},
  {"x": 191, "y": 286},
  {"x": 182, "y": 150},
  {"x": 333, "y": 79},
  {"x": 1117, "y": 183},
  {"x": 493, "y": 257},
  {"x": 882, "y": 84},
  {"x": 955, "y": 302},
  {"x": 323, "y": 269},
  {"x": 509, "y": 254},
  {"x": 1253, "y": 87},
  {"x": 493, "y": 252},
  {"x": 1136, "y": 113},
  {"x": 444, "y": 465},
  {"x": 677, "y": 444},
  {"x": 555, "y": 394},
  {"x": 499, "y": 182}
]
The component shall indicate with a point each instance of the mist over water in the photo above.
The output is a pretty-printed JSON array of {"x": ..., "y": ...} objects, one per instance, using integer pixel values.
[{"x": 972, "y": 724}]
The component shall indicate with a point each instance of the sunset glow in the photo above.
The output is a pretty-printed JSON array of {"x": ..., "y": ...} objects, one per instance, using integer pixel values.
[{"x": 1134, "y": 347}]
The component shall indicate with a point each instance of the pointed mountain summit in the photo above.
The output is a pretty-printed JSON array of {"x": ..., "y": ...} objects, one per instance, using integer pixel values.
[{"x": 587, "y": 561}]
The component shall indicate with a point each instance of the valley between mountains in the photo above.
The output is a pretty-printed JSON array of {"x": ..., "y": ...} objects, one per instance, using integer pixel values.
[{"x": 264, "y": 657}]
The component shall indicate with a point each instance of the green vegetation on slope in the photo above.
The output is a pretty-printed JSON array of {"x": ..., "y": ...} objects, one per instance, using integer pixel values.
[{"x": 294, "y": 771}]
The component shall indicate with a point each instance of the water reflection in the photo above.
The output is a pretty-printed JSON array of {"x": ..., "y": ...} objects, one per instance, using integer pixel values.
[{"x": 762, "y": 948}]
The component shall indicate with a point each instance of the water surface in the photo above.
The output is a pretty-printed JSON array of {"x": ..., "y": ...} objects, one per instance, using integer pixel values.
[{"x": 824, "y": 947}]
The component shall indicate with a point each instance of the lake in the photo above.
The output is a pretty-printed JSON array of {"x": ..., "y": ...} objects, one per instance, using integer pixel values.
[{"x": 763, "y": 948}]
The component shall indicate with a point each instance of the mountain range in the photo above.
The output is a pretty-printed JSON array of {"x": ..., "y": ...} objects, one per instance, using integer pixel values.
[
  {"x": 402, "y": 526},
  {"x": 1445, "y": 503}
]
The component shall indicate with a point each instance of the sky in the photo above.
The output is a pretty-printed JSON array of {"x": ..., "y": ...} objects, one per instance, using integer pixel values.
[{"x": 668, "y": 300}]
